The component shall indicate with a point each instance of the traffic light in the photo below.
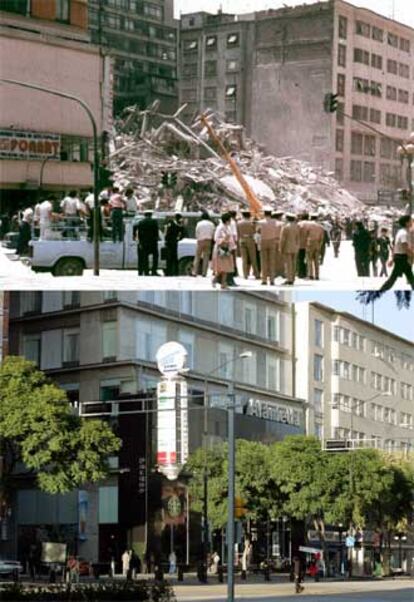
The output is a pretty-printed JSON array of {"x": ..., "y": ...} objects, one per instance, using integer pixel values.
[
  {"x": 169, "y": 179},
  {"x": 240, "y": 509},
  {"x": 330, "y": 103}
]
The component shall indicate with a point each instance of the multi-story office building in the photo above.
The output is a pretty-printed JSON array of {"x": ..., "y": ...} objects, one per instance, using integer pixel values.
[
  {"x": 288, "y": 59},
  {"x": 46, "y": 141},
  {"x": 215, "y": 62},
  {"x": 141, "y": 36},
  {"x": 358, "y": 379},
  {"x": 102, "y": 346}
]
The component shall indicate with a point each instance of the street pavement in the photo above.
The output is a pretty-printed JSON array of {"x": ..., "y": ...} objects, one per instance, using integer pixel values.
[
  {"x": 338, "y": 591},
  {"x": 336, "y": 274}
]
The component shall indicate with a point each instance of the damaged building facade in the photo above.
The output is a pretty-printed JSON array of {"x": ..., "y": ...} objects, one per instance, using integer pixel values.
[{"x": 293, "y": 57}]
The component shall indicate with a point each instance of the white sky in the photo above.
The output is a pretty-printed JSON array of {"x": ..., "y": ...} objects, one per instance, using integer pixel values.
[{"x": 400, "y": 10}]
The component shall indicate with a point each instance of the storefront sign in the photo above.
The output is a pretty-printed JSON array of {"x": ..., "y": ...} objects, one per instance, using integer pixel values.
[
  {"x": 29, "y": 145},
  {"x": 274, "y": 412},
  {"x": 53, "y": 552},
  {"x": 171, "y": 359}
]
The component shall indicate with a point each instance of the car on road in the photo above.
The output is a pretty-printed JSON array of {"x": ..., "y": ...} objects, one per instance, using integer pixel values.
[
  {"x": 10, "y": 568},
  {"x": 68, "y": 257}
]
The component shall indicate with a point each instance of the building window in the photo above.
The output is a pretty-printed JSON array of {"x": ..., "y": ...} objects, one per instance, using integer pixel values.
[
  {"x": 376, "y": 89},
  {"x": 187, "y": 339},
  {"x": 377, "y": 34},
  {"x": 356, "y": 143},
  {"x": 31, "y": 348},
  {"x": 211, "y": 42},
  {"x": 318, "y": 400},
  {"x": 232, "y": 40},
  {"x": 149, "y": 337},
  {"x": 391, "y": 93},
  {"x": 272, "y": 325},
  {"x": 232, "y": 66},
  {"x": 342, "y": 27},
  {"x": 405, "y": 45},
  {"x": 403, "y": 96},
  {"x": 210, "y": 68},
  {"x": 361, "y": 85},
  {"x": 272, "y": 373},
  {"x": 15, "y": 6},
  {"x": 190, "y": 70},
  {"x": 340, "y": 113},
  {"x": 360, "y": 112},
  {"x": 356, "y": 171},
  {"x": 62, "y": 10},
  {"x": 392, "y": 66},
  {"x": 109, "y": 339},
  {"x": 190, "y": 45},
  {"x": 231, "y": 92},
  {"x": 226, "y": 310},
  {"x": 318, "y": 367},
  {"x": 339, "y": 141},
  {"x": 339, "y": 169},
  {"x": 361, "y": 56},
  {"x": 71, "y": 346},
  {"x": 108, "y": 505},
  {"x": 31, "y": 302},
  {"x": 404, "y": 70},
  {"x": 340, "y": 84},
  {"x": 391, "y": 119},
  {"x": 71, "y": 299},
  {"x": 250, "y": 320},
  {"x": 375, "y": 116},
  {"x": 363, "y": 29},
  {"x": 341, "y": 55},
  {"x": 376, "y": 61},
  {"x": 369, "y": 145},
  {"x": 225, "y": 356},
  {"x": 369, "y": 172},
  {"x": 402, "y": 122},
  {"x": 319, "y": 334},
  {"x": 392, "y": 40}
]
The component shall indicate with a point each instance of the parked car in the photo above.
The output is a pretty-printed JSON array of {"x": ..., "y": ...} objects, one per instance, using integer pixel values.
[{"x": 10, "y": 568}]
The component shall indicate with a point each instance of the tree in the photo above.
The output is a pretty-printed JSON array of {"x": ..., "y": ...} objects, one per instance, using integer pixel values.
[
  {"x": 403, "y": 298},
  {"x": 253, "y": 481},
  {"x": 39, "y": 428}
]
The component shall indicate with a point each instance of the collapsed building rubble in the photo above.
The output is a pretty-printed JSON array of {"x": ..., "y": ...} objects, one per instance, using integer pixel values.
[{"x": 148, "y": 145}]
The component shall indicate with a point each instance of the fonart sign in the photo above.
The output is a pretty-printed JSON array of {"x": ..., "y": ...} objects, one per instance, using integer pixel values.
[{"x": 29, "y": 145}]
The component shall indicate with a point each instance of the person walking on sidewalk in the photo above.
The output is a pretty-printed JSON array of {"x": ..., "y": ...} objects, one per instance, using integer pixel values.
[{"x": 402, "y": 255}]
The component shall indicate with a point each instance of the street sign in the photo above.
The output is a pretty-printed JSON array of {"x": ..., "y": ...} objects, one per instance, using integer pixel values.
[
  {"x": 350, "y": 541},
  {"x": 171, "y": 358}
]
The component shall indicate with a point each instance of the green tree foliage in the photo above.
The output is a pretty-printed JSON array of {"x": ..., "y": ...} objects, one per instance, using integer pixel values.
[{"x": 38, "y": 427}]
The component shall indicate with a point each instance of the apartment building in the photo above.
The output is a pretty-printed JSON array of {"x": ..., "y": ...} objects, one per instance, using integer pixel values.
[
  {"x": 46, "y": 140},
  {"x": 141, "y": 37},
  {"x": 274, "y": 78},
  {"x": 101, "y": 347},
  {"x": 215, "y": 61},
  {"x": 357, "y": 377}
]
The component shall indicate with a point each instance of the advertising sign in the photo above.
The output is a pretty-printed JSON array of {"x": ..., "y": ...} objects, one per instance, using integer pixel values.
[
  {"x": 174, "y": 504},
  {"x": 29, "y": 145},
  {"x": 167, "y": 428},
  {"x": 171, "y": 358},
  {"x": 82, "y": 514}
]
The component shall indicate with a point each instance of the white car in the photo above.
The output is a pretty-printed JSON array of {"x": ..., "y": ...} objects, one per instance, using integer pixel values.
[
  {"x": 66, "y": 257},
  {"x": 10, "y": 568}
]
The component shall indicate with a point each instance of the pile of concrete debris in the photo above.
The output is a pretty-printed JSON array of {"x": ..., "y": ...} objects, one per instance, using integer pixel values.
[{"x": 172, "y": 165}]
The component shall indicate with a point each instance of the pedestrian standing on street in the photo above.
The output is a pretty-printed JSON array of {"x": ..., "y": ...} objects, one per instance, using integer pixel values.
[
  {"x": 297, "y": 575},
  {"x": 361, "y": 241},
  {"x": 172, "y": 558},
  {"x": 233, "y": 227},
  {"x": 204, "y": 234},
  {"x": 289, "y": 247},
  {"x": 70, "y": 207},
  {"x": 268, "y": 231},
  {"x": 118, "y": 206},
  {"x": 279, "y": 267},
  {"x": 336, "y": 236},
  {"x": 134, "y": 563},
  {"x": 402, "y": 255},
  {"x": 147, "y": 234},
  {"x": 174, "y": 232},
  {"x": 224, "y": 244},
  {"x": 314, "y": 242},
  {"x": 374, "y": 249},
  {"x": 131, "y": 201},
  {"x": 384, "y": 247},
  {"x": 25, "y": 232},
  {"x": 125, "y": 559},
  {"x": 247, "y": 245}
]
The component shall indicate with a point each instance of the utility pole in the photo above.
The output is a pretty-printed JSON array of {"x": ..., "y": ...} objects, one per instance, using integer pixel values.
[{"x": 231, "y": 480}]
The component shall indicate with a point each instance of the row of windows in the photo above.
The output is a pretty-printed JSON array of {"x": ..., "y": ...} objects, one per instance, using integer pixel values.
[
  {"x": 134, "y": 46},
  {"x": 211, "y": 42},
  {"x": 349, "y": 404},
  {"x": 383, "y": 383},
  {"x": 363, "y": 56},
  {"x": 349, "y": 371},
  {"x": 148, "y": 9},
  {"x": 390, "y": 175},
  {"x": 367, "y": 87},
  {"x": 396, "y": 121},
  {"x": 406, "y": 391},
  {"x": 362, "y": 171},
  {"x": 190, "y": 70},
  {"x": 210, "y": 93},
  {"x": 384, "y": 414},
  {"x": 23, "y": 7},
  {"x": 376, "y": 33},
  {"x": 130, "y": 68},
  {"x": 363, "y": 144},
  {"x": 138, "y": 26},
  {"x": 348, "y": 337},
  {"x": 400, "y": 95}
]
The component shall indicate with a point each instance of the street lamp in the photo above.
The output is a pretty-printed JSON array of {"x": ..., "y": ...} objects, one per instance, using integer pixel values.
[
  {"x": 406, "y": 151},
  {"x": 400, "y": 538},
  {"x": 231, "y": 473}
]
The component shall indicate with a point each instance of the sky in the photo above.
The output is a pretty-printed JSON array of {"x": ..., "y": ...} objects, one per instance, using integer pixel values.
[
  {"x": 400, "y": 10},
  {"x": 386, "y": 313}
]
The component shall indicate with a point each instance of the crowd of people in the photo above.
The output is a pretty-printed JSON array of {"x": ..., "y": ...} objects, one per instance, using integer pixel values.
[{"x": 286, "y": 246}]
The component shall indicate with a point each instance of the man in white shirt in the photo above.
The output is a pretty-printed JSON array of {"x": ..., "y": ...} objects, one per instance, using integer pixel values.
[
  {"x": 402, "y": 255},
  {"x": 43, "y": 216},
  {"x": 204, "y": 234},
  {"x": 71, "y": 207}
]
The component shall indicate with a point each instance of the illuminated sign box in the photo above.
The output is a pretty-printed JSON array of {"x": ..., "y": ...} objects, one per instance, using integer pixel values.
[{"x": 29, "y": 145}]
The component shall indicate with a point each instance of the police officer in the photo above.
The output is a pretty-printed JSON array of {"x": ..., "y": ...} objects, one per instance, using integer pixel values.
[
  {"x": 304, "y": 229},
  {"x": 267, "y": 230},
  {"x": 174, "y": 232},
  {"x": 279, "y": 263},
  {"x": 245, "y": 234},
  {"x": 147, "y": 234},
  {"x": 289, "y": 246}
]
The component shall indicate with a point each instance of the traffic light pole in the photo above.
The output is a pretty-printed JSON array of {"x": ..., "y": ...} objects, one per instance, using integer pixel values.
[{"x": 231, "y": 480}]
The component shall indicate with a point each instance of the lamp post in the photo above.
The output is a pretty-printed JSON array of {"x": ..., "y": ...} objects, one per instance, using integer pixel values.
[
  {"x": 400, "y": 538},
  {"x": 231, "y": 474},
  {"x": 406, "y": 152},
  {"x": 87, "y": 109}
]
